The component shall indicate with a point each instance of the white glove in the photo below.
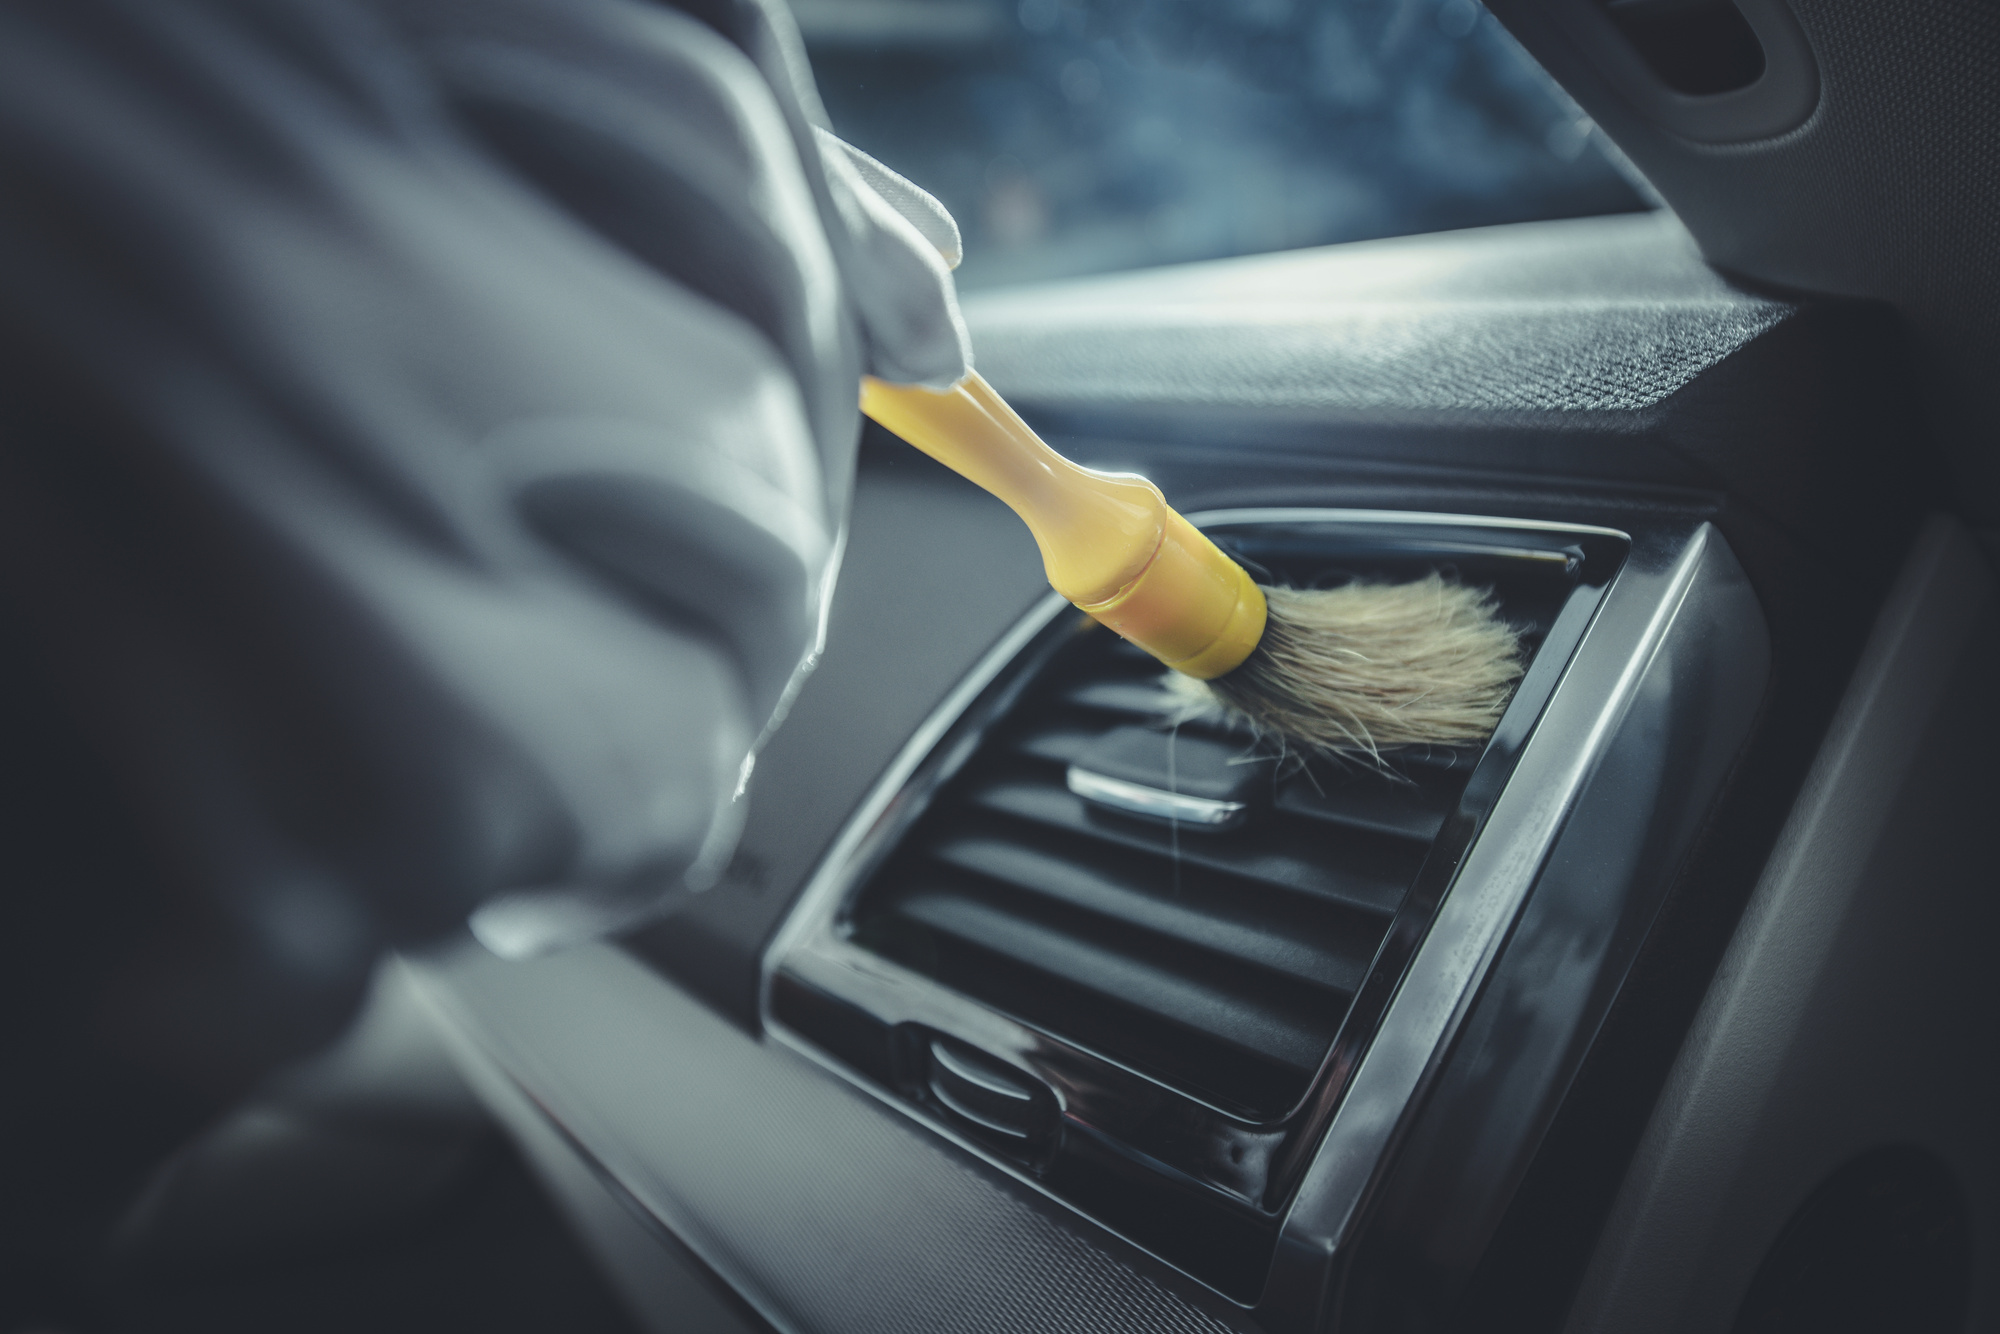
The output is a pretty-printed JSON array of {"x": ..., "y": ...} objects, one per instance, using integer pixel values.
[{"x": 428, "y": 427}]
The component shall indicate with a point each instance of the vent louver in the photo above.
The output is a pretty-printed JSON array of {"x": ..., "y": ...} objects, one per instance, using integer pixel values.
[
  {"x": 1164, "y": 944},
  {"x": 1220, "y": 960}
]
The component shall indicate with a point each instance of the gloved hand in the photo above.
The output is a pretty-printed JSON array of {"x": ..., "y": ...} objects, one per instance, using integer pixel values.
[{"x": 425, "y": 435}]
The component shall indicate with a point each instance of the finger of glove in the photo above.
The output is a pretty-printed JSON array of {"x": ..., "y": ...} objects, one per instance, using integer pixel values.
[
  {"x": 912, "y": 203},
  {"x": 664, "y": 138},
  {"x": 900, "y": 281},
  {"x": 908, "y": 305}
]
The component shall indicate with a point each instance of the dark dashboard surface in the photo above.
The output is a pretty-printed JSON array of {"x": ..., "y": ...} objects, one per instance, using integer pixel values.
[
  {"x": 1589, "y": 372},
  {"x": 815, "y": 1207},
  {"x": 1585, "y": 371}
]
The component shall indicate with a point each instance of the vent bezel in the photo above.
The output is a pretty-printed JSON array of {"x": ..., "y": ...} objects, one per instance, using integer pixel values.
[{"x": 1201, "y": 1188}]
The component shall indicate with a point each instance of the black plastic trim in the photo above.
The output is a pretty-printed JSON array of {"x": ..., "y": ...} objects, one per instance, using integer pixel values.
[{"x": 1200, "y": 1186}]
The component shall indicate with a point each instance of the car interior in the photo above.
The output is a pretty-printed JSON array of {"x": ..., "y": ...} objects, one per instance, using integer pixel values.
[{"x": 1029, "y": 1003}]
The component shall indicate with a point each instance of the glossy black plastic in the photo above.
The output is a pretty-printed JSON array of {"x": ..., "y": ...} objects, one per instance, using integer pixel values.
[
  {"x": 1202, "y": 1186},
  {"x": 1532, "y": 948}
]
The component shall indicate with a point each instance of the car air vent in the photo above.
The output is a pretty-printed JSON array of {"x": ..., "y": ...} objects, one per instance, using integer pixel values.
[
  {"x": 1131, "y": 953},
  {"x": 1214, "y": 941}
]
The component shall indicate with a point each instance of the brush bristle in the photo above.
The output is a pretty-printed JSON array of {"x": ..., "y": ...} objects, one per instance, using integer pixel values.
[{"x": 1371, "y": 667}]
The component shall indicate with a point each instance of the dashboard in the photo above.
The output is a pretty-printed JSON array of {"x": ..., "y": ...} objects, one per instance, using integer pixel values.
[{"x": 964, "y": 1039}]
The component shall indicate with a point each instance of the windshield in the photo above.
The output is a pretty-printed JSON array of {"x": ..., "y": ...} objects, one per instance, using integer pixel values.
[{"x": 1071, "y": 138}]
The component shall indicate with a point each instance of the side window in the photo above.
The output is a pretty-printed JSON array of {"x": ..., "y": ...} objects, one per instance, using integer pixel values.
[{"x": 1083, "y": 136}]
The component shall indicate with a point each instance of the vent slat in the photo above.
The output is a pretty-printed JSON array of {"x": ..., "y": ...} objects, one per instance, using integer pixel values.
[
  {"x": 1057, "y": 745},
  {"x": 1146, "y": 699},
  {"x": 1409, "y": 807},
  {"x": 1249, "y": 1023},
  {"x": 1368, "y": 802},
  {"x": 1369, "y": 879},
  {"x": 1329, "y": 957},
  {"x": 1143, "y": 698},
  {"x": 1069, "y": 742}
]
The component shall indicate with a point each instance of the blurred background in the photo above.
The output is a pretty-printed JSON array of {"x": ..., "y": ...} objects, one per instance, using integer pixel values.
[{"x": 1081, "y": 136}]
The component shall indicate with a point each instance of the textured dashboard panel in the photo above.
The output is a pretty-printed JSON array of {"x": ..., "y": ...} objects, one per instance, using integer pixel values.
[
  {"x": 1597, "y": 315},
  {"x": 1594, "y": 351},
  {"x": 864, "y": 1225},
  {"x": 1888, "y": 191}
]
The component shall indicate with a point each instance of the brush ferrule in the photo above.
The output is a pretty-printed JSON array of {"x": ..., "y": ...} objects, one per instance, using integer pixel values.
[{"x": 1192, "y": 607}]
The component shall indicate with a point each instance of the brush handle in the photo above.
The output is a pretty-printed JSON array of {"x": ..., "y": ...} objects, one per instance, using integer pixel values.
[
  {"x": 1098, "y": 531},
  {"x": 1110, "y": 542}
]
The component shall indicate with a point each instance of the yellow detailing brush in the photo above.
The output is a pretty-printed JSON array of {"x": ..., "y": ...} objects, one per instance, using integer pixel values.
[{"x": 1357, "y": 669}]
